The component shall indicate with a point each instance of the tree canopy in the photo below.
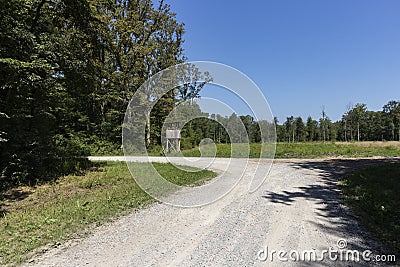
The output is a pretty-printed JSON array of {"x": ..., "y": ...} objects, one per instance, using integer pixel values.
[{"x": 67, "y": 72}]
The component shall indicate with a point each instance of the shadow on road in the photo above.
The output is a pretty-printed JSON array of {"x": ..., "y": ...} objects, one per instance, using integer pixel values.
[{"x": 335, "y": 217}]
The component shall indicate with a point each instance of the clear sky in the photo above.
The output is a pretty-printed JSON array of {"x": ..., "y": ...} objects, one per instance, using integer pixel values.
[{"x": 303, "y": 54}]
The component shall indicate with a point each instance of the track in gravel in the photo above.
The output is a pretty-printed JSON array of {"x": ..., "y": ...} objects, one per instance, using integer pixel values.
[{"x": 296, "y": 208}]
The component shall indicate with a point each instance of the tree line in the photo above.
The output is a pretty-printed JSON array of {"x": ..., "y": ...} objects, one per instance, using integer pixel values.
[{"x": 357, "y": 124}]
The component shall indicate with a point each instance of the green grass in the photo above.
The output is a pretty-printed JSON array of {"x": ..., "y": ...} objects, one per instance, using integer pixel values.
[
  {"x": 288, "y": 150},
  {"x": 31, "y": 218},
  {"x": 354, "y": 150},
  {"x": 226, "y": 150},
  {"x": 309, "y": 150},
  {"x": 373, "y": 194}
]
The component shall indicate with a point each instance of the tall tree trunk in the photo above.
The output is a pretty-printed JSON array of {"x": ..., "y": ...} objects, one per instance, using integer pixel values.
[
  {"x": 399, "y": 134},
  {"x": 147, "y": 116},
  {"x": 293, "y": 137},
  {"x": 351, "y": 132}
]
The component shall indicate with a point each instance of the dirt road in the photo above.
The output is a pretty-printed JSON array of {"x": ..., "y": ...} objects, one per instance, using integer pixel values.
[{"x": 296, "y": 209}]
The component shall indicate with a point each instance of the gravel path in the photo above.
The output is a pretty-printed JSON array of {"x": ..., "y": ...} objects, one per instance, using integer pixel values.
[{"x": 296, "y": 208}]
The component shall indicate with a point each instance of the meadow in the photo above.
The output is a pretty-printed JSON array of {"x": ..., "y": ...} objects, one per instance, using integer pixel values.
[{"x": 303, "y": 150}]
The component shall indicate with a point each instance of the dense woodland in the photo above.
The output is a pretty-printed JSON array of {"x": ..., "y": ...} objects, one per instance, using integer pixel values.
[
  {"x": 67, "y": 72},
  {"x": 68, "y": 69}
]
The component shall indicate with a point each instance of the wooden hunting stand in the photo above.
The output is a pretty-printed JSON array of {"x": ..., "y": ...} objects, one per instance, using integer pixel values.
[{"x": 173, "y": 136}]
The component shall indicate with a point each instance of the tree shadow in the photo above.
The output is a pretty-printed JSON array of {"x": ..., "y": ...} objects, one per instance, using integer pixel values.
[
  {"x": 10, "y": 196},
  {"x": 335, "y": 217}
]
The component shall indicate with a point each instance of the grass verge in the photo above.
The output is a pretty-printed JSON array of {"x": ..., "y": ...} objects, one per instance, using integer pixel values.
[
  {"x": 373, "y": 194},
  {"x": 31, "y": 218}
]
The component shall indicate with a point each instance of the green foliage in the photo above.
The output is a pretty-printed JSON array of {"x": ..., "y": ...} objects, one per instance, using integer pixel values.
[
  {"x": 368, "y": 126},
  {"x": 30, "y": 90},
  {"x": 357, "y": 124},
  {"x": 97, "y": 146},
  {"x": 66, "y": 78}
]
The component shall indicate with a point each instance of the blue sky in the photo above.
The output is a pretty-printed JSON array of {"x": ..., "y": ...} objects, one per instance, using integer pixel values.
[{"x": 303, "y": 54}]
